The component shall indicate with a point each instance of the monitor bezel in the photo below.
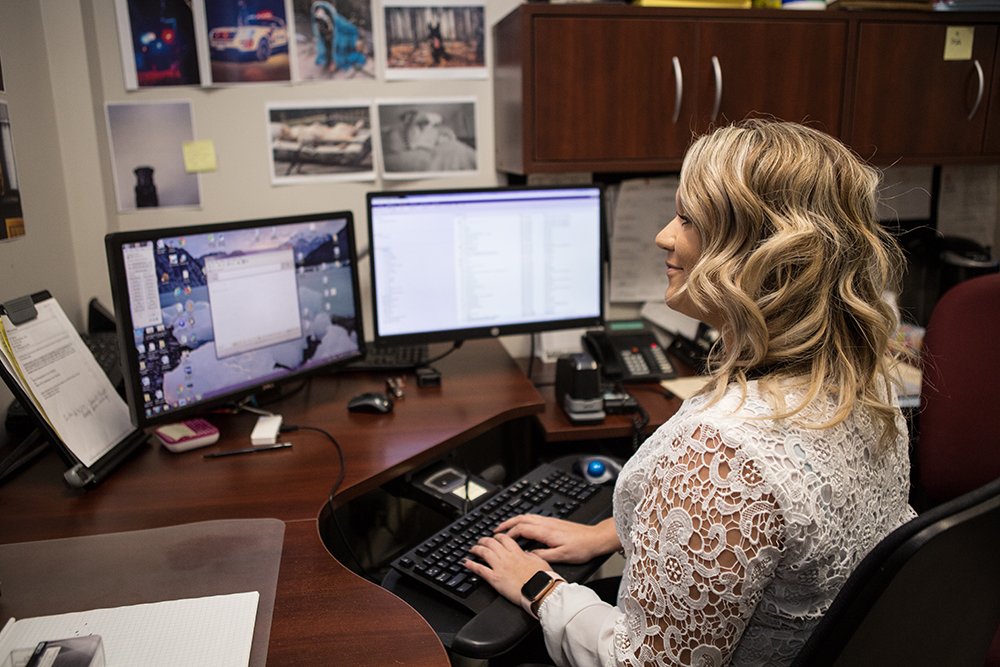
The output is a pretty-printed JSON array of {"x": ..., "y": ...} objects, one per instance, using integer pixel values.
[
  {"x": 123, "y": 317},
  {"x": 459, "y": 335}
]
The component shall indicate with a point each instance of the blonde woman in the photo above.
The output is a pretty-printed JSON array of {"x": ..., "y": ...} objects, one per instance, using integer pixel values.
[{"x": 741, "y": 517}]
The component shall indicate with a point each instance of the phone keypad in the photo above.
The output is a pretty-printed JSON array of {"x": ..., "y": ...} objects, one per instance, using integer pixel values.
[
  {"x": 634, "y": 362},
  {"x": 661, "y": 359}
]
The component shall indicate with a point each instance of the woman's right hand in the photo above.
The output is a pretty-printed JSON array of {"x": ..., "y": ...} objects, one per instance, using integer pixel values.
[{"x": 566, "y": 541}]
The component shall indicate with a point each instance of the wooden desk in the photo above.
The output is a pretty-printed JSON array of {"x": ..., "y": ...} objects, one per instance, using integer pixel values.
[{"x": 323, "y": 612}]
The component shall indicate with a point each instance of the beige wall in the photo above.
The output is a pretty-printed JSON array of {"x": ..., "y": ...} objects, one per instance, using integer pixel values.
[{"x": 61, "y": 65}]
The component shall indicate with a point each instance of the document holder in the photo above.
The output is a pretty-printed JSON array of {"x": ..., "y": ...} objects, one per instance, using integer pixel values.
[{"x": 79, "y": 474}]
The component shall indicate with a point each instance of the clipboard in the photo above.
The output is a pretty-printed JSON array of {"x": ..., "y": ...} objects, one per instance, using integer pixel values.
[{"x": 78, "y": 474}]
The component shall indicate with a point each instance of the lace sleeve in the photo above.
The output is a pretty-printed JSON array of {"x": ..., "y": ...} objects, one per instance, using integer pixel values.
[{"x": 706, "y": 539}]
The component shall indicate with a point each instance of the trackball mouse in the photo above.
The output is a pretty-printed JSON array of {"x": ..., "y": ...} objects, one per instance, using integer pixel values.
[{"x": 371, "y": 401}]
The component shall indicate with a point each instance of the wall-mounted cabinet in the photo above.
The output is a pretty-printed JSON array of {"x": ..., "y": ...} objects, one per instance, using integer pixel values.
[
  {"x": 911, "y": 102},
  {"x": 611, "y": 88}
]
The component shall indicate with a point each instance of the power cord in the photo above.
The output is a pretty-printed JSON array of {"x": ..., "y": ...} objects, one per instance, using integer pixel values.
[
  {"x": 454, "y": 346},
  {"x": 288, "y": 428}
]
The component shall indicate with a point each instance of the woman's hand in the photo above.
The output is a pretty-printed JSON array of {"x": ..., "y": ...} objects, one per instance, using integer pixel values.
[
  {"x": 566, "y": 541},
  {"x": 507, "y": 566}
]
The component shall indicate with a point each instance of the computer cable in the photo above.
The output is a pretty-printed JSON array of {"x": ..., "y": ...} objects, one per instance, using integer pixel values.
[
  {"x": 639, "y": 422},
  {"x": 33, "y": 446},
  {"x": 531, "y": 357},
  {"x": 454, "y": 346},
  {"x": 287, "y": 428}
]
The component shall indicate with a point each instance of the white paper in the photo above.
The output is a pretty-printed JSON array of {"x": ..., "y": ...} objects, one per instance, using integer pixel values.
[
  {"x": 552, "y": 344},
  {"x": 76, "y": 396},
  {"x": 643, "y": 207},
  {"x": 669, "y": 319},
  {"x": 215, "y": 630},
  {"x": 685, "y": 387}
]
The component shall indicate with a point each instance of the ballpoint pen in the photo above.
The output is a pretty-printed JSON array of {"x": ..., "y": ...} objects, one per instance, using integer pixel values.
[{"x": 249, "y": 450}]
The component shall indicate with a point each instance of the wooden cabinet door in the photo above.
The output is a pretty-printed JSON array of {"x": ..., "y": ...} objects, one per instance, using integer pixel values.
[
  {"x": 909, "y": 101},
  {"x": 791, "y": 70},
  {"x": 611, "y": 93}
]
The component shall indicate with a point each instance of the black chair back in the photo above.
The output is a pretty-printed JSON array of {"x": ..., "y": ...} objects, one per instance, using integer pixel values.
[{"x": 927, "y": 594}]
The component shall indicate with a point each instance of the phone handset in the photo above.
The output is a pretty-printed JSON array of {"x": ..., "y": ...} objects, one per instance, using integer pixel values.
[{"x": 599, "y": 345}]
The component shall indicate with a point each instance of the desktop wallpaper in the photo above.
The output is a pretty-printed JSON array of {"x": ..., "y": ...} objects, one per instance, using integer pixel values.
[{"x": 178, "y": 359}]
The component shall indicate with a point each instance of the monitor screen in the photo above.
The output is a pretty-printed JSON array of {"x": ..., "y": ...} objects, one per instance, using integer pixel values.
[
  {"x": 214, "y": 312},
  {"x": 448, "y": 265}
]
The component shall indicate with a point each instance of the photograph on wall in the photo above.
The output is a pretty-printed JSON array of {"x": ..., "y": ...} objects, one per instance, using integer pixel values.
[
  {"x": 427, "y": 138},
  {"x": 158, "y": 42},
  {"x": 147, "y": 155},
  {"x": 320, "y": 142},
  {"x": 248, "y": 40},
  {"x": 333, "y": 39},
  {"x": 446, "y": 40},
  {"x": 11, "y": 217}
]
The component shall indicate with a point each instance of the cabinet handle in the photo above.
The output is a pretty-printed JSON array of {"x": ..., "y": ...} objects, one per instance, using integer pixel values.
[
  {"x": 678, "y": 88},
  {"x": 982, "y": 85},
  {"x": 717, "y": 70}
]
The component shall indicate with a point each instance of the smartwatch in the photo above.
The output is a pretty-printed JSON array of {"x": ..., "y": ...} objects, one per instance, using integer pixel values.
[{"x": 535, "y": 589}]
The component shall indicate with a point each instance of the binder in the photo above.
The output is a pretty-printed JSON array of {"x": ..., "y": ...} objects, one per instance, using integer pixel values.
[{"x": 80, "y": 473}]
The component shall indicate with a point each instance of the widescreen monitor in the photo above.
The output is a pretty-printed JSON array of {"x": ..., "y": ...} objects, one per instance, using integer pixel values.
[
  {"x": 450, "y": 265},
  {"x": 213, "y": 313}
]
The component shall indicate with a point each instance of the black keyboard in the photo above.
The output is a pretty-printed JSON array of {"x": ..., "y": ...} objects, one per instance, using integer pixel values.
[
  {"x": 546, "y": 490},
  {"x": 104, "y": 347},
  {"x": 392, "y": 356}
]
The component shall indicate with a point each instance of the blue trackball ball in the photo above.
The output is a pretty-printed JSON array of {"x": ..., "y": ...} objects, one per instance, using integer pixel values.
[{"x": 596, "y": 468}]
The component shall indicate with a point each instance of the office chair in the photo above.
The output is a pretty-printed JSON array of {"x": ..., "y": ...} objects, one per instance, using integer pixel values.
[
  {"x": 927, "y": 594},
  {"x": 958, "y": 445}
]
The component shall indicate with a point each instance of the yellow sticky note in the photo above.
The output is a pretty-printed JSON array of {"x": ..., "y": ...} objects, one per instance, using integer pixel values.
[
  {"x": 958, "y": 42},
  {"x": 199, "y": 156}
]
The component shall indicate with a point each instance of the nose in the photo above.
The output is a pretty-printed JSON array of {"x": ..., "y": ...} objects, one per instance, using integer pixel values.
[{"x": 666, "y": 236}]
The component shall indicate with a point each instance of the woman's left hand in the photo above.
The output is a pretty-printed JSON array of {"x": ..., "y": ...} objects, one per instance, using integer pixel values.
[{"x": 507, "y": 566}]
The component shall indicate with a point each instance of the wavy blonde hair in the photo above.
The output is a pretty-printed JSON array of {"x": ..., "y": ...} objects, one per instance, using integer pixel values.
[{"x": 795, "y": 263}]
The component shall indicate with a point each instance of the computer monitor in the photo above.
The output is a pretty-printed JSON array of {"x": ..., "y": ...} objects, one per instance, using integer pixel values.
[
  {"x": 213, "y": 313},
  {"x": 450, "y": 265}
]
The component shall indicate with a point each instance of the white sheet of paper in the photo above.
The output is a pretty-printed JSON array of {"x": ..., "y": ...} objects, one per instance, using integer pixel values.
[
  {"x": 215, "y": 630},
  {"x": 78, "y": 399},
  {"x": 642, "y": 208},
  {"x": 669, "y": 319},
  {"x": 685, "y": 387}
]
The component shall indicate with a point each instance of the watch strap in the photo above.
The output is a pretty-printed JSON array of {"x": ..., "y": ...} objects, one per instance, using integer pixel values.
[{"x": 536, "y": 602}]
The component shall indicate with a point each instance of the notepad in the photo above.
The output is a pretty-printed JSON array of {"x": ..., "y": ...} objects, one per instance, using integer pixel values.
[{"x": 215, "y": 630}]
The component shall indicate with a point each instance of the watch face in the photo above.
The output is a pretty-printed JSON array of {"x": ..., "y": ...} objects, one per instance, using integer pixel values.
[{"x": 534, "y": 586}]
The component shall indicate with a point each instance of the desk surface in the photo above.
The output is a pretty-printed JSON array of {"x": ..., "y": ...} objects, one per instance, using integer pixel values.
[{"x": 323, "y": 612}]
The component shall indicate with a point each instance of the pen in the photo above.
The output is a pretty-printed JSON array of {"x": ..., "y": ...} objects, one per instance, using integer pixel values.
[{"x": 248, "y": 450}]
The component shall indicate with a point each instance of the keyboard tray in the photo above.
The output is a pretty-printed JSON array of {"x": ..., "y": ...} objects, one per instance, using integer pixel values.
[{"x": 546, "y": 490}]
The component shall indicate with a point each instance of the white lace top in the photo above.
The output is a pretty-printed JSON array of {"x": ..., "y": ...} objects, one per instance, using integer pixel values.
[{"x": 738, "y": 532}]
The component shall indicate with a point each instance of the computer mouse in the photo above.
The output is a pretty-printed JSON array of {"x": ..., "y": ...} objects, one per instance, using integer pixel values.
[{"x": 371, "y": 401}]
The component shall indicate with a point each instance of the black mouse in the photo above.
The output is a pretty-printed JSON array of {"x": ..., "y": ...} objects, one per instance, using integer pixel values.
[{"x": 371, "y": 401}]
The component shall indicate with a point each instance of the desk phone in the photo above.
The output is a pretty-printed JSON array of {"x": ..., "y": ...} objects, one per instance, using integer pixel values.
[{"x": 631, "y": 355}]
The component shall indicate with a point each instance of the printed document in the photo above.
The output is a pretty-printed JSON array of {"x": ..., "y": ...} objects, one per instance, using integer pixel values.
[
  {"x": 643, "y": 207},
  {"x": 53, "y": 365}
]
